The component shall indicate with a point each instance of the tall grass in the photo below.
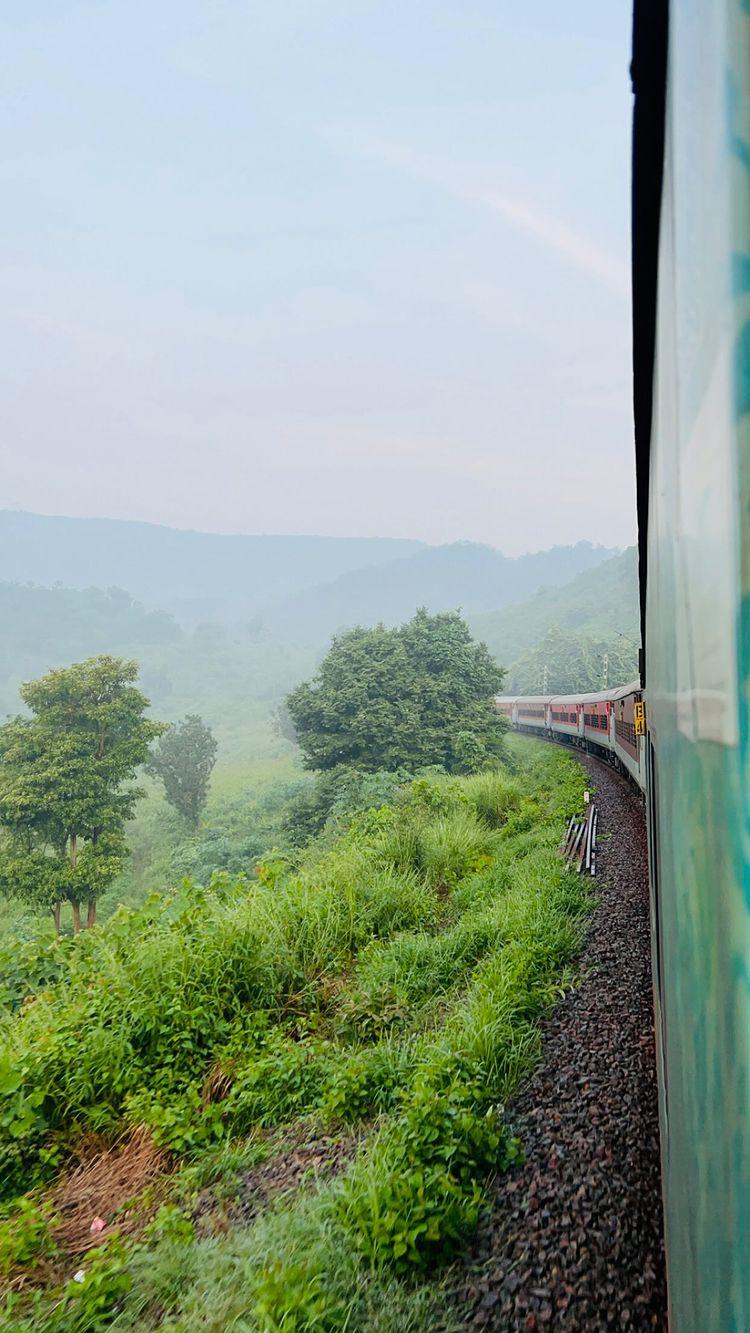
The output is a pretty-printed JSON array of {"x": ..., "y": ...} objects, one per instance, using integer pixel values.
[{"x": 396, "y": 975}]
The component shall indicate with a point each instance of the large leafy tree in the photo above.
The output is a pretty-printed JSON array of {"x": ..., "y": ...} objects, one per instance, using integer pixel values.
[
  {"x": 402, "y": 698},
  {"x": 65, "y": 782},
  {"x": 184, "y": 760}
]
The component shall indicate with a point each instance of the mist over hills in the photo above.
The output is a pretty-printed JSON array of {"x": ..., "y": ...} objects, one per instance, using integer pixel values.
[
  {"x": 600, "y": 602},
  {"x": 304, "y": 588},
  {"x": 221, "y": 645},
  {"x": 464, "y": 574},
  {"x": 195, "y": 575}
]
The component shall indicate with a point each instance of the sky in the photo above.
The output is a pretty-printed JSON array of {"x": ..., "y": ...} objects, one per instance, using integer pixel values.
[{"x": 346, "y": 267}]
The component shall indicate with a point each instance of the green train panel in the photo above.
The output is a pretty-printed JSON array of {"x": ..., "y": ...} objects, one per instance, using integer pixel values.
[{"x": 698, "y": 665}]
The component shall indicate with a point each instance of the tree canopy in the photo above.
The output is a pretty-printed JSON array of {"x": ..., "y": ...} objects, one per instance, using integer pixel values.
[
  {"x": 385, "y": 699},
  {"x": 565, "y": 662},
  {"x": 65, "y": 771},
  {"x": 184, "y": 760}
]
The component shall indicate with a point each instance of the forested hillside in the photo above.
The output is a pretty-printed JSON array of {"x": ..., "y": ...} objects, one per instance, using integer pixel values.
[
  {"x": 195, "y": 575},
  {"x": 303, "y": 588},
  {"x": 597, "y": 612},
  {"x": 464, "y": 574}
]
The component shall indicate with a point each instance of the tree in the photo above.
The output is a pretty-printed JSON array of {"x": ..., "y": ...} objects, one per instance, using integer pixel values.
[
  {"x": 385, "y": 699},
  {"x": 184, "y": 760},
  {"x": 564, "y": 662},
  {"x": 64, "y": 800}
]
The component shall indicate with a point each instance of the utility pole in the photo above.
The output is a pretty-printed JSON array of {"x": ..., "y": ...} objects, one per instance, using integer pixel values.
[
  {"x": 544, "y": 680},
  {"x": 606, "y": 671}
]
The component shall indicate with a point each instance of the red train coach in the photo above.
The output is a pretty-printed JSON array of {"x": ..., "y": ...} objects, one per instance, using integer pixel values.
[
  {"x": 603, "y": 722},
  {"x": 566, "y": 715}
]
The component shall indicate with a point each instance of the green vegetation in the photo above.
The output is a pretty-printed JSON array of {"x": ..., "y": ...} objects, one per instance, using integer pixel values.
[
  {"x": 568, "y": 663},
  {"x": 64, "y": 800},
  {"x": 387, "y": 698},
  {"x": 569, "y": 629},
  {"x": 357, "y": 956},
  {"x": 383, "y": 987},
  {"x": 184, "y": 759}
]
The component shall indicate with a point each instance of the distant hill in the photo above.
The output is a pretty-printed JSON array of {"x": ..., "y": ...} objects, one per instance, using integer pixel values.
[
  {"x": 600, "y": 604},
  {"x": 52, "y": 625},
  {"x": 231, "y": 675},
  {"x": 466, "y": 575},
  {"x": 44, "y": 628},
  {"x": 198, "y": 576}
]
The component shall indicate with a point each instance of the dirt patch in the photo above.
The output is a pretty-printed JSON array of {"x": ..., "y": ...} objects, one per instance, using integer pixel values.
[{"x": 122, "y": 1186}]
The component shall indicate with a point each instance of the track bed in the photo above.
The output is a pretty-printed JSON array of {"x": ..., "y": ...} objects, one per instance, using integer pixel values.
[{"x": 574, "y": 1236}]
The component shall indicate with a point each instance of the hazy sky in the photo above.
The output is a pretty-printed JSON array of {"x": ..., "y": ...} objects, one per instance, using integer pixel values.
[{"x": 319, "y": 266}]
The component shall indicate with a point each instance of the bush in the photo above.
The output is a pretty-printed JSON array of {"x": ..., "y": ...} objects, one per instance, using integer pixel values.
[
  {"x": 398, "y": 971},
  {"x": 493, "y": 796},
  {"x": 455, "y": 846},
  {"x": 419, "y": 1191}
]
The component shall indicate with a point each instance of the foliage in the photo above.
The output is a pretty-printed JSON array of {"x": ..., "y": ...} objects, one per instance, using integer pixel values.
[
  {"x": 397, "y": 971},
  {"x": 407, "y": 697},
  {"x": 25, "y": 1234},
  {"x": 600, "y": 603},
  {"x": 415, "y": 1196},
  {"x": 63, "y": 771},
  {"x": 28, "y": 966},
  {"x": 184, "y": 760},
  {"x": 329, "y": 800},
  {"x": 565, "y": 662}
]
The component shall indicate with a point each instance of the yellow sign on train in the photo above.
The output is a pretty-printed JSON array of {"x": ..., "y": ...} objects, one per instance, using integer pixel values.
[{"x": 639, "y": 715}]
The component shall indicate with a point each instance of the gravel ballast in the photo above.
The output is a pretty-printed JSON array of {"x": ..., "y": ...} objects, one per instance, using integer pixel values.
[{"x": 573, "y": 1239}]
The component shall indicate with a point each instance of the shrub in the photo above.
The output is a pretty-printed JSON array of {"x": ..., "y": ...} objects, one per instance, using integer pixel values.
[
  {"x": 366, "y": 1082},
  {"x": 493, "y": 796},
  {"x": 419, "y": 1190},
  {"x": 454, "y": 846},
  {"x": 25, "y": 1235}
]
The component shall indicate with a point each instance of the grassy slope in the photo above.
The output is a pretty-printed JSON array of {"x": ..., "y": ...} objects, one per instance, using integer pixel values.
[{"x": 394, "y": 981}]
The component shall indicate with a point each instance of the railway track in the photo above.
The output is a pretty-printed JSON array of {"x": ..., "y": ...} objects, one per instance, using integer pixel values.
[{"x": 573, "y": 1239}]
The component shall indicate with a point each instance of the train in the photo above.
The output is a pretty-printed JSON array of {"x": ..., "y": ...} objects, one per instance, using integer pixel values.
[
  {"x": 610, "y": 724},
  {"x": 691, "y": 381}
]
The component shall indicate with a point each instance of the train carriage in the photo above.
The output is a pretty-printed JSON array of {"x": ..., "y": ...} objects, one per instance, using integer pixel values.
[
  {"x": 505, "y": 704},
  {"x": 597, "y": 717},
  {"x": 532, "y": 712},
  {"x": 629, "y": 747},
  {"x": 566, "y": 716}
]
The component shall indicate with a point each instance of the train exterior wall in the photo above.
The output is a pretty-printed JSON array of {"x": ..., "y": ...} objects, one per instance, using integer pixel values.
[
  {"x": 532, "y": 712},
  {"x": 566, "y": 718},
  {"x": 596, "y": 722},
  {"x": 629, "y": 747},
  {"x": 698, "y": 667}
]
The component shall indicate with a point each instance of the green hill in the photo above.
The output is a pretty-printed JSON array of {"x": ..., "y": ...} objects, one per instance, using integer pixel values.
[
  {"x": 463, "y": 574},
  {"x": 195, "y": 575},
  {"x": 601, "y": 603}
]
